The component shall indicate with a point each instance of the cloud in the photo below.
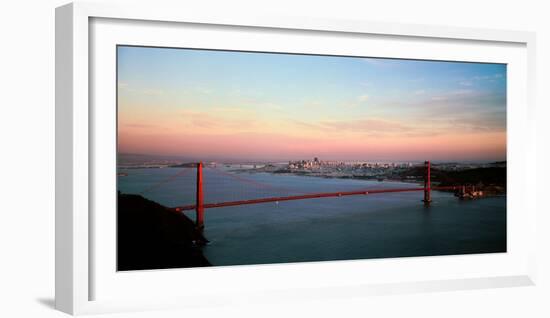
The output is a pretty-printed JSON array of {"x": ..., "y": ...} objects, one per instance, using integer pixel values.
[
  {"x": 365, "y": 125},
  {"x": 482, "y": 122},
  {"x": 465, "y": 83},
  {"x": 492, "y": 77},
  {"x": 152, "y": 91},
  {"x": 124, "y": 86},
  {"x": 202, "y": 90},
  {"x": 230, "y": 110},
  {"x": 386, "y": 63},
  {"x": 456, "y": 95},
  {"x": 363, "y": 98},
  {"x": 314, "y": 126},
  {"x": 137, "y": 125},
  {"x": 416, "y": 80},
  {"x": 312, "y": 104},
  {"x": 462, "y": 92},
  {"x": 232, "y": 119},
  {"x": 374, "y": 61},
  {"x": 419, "y": 92}
]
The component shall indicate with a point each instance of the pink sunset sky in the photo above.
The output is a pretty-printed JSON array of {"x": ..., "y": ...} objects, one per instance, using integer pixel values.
[{"x": 216, "y": 105}]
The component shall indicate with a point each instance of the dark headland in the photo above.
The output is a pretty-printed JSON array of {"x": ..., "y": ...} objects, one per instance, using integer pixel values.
[{"x": 150, "y": 236}]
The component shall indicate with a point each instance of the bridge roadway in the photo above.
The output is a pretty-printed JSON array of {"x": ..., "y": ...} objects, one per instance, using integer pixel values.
[{"x": 308, "y": 196}]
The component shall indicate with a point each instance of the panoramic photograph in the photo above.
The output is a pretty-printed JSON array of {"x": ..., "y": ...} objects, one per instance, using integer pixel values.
[{"x": 245, "y": 158}]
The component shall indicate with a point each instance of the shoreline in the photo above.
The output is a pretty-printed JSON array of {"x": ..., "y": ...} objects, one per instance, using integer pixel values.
[
  {"x": 489, "y": 189},
  {"x": 482, "y": 179}
]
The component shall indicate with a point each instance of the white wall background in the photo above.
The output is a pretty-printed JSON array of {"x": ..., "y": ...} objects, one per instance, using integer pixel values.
[{"x": 27, "y": 159}]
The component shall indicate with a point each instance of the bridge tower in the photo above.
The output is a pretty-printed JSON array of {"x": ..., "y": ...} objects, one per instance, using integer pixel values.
[
  {"x": 427, "y": 184},
  {"x": 199, "y": 206}
]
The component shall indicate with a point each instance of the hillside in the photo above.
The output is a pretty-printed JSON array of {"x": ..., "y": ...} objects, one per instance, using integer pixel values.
[
  {"x": 491, "y": 176},
  {"x": 150, "y": 236}
]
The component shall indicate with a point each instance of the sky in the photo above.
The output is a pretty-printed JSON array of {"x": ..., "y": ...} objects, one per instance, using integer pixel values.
[{"x": 223, "y": 105}]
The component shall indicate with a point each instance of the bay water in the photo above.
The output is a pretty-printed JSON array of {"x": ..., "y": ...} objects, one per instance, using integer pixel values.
[{"x": 342, "y": 228}]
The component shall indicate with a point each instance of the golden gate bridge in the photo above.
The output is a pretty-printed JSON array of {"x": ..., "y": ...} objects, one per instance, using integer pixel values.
[{"x": 200, "y": 205}]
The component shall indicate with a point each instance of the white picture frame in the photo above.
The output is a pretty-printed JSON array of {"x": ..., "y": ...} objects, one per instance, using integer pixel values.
[{"x": 75, "y": 173}]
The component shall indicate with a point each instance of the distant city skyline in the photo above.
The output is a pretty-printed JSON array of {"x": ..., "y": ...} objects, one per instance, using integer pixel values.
[{"x": 270, "y": 107}]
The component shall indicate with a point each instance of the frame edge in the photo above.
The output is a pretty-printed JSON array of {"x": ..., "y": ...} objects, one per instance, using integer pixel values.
[
  {"x": 64, "y": 238},
  {"x": 71, "y": 292}
]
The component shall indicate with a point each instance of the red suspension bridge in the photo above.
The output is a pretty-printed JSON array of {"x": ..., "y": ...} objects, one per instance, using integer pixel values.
[{"x": 200, "y": 205}]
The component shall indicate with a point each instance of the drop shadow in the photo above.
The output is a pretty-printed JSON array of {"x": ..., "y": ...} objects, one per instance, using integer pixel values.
[{"x": 47, "y": 302}]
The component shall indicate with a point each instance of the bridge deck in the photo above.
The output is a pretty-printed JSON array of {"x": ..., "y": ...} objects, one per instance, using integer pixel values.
[{"x": 307, "y": 196}]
